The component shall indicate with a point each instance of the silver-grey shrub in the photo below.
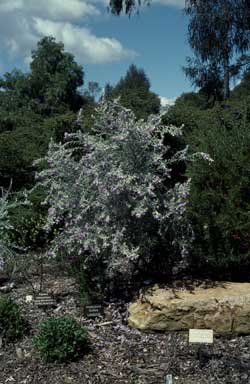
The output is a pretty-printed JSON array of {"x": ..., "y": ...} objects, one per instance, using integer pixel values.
[
  {"x": 106, "y": 191},
  {"x": 9, "y": 257},
  {"x": 5, "y": 249}
]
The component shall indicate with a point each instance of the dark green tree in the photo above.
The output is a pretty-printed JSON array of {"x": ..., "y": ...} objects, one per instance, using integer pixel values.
[
  {"x": 33, "y": 108},
  {"x": 186, "y": 111},
  {"x": 14, "y": 96},
  {"x": 55, "y": 78},
  {"x": 218, "y": 33},
  {"x": 36, "y": 106},
  {"x": 207, "y": 77},
  {"x": 108, "y": 91},
  {"x": 219, "y": 201},
  {"x": 16, "y": 81},
  {"x": 134, "y": 92}
]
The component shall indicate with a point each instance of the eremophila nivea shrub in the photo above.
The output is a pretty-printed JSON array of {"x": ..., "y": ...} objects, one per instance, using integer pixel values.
[{"x": 108, "y": 194}]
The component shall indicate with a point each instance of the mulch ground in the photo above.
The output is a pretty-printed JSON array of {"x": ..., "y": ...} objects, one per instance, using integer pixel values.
[{"x": 118, "y": 353}]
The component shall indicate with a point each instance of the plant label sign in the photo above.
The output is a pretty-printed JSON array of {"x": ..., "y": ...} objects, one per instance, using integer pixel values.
[
  {"x": 169, "y": 379},
  {"x": 93, "y": 311},
  {"x": 44, "y": 300},
  {"x": 201, "y": 336},
  {"x": 29, "y": 298}
]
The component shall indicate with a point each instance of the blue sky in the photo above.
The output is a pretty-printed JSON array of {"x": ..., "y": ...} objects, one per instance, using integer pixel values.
[{"x": 104, "y": 44}]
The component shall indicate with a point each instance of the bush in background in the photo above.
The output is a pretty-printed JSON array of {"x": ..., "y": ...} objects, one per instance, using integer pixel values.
[
  {"x": 219, "y": 201},
  {"x": 27, "y": 221}
]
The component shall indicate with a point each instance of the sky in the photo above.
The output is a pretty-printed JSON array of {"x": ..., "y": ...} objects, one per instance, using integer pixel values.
[{"x": 104, "y": 44}]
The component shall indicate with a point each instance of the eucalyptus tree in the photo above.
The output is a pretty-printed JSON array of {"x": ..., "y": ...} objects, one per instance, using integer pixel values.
[
  {"x": 219, "y": 34},
  {"x": 127, "y": 6}
]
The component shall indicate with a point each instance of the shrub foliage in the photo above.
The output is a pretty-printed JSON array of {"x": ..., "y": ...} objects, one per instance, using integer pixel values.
[
  {"x": 5, "y": 248},
  {"x": 61, "y": 339},
  {"x": 12, "y": 325},
  {"x": 219, "y": 197},
  {"x": 111, "y": 195}
]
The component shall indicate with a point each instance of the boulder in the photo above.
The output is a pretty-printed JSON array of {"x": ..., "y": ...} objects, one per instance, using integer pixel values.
[{"x": 223, "y": 307}]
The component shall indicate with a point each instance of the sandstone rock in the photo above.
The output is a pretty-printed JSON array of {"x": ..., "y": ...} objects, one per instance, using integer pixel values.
[{"x": 225, "y": 308}]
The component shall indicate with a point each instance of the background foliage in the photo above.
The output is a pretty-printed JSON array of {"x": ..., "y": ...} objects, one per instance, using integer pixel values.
[
  {"x": 12, "y": 325},
  {"x": 219, "y": 196},
  {"x": 134, "y": 93}
]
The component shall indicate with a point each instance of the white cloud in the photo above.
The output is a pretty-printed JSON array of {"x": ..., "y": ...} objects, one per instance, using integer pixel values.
[
  {"x": 175, "y": 3},
  {"x": 24, "y": 22},
  {"x": 62, "y": 9},
  {"x": 86, "y": 46},
  {"x": 16, "y": 36},
  {"x": 7, "y": 6},
  {"x": 52, "y": 9},
  {"x": 167, "y": 101}
]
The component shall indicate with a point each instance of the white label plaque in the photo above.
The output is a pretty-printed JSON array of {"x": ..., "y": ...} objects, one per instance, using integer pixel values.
[
  {"x": 201, "y": 336},
  {"x": 29, "y": 299},
  {"x": 169, "y": 379}
]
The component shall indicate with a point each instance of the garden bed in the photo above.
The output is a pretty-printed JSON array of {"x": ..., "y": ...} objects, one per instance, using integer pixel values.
[{"x": 119, "y": 354}]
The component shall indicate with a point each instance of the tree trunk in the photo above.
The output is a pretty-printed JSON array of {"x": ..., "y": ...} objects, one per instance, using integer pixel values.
[{"x": 226, "y": 89}]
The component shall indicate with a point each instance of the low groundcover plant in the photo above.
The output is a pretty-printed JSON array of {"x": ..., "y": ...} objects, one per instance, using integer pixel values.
[
  {"x": 61, "y": 339},
  {"x": 12, "y": 324}
]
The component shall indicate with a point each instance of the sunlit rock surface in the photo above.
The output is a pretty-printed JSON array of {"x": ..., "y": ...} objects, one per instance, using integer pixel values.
[{"x": 224, "y": 307}]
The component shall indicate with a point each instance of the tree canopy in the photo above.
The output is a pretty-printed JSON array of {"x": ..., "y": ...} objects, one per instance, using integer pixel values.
[
  {"x": 219, "y": 35},
  {"x": 134, "y": 92},
  {"x": 55, "y": 77},
  {"x": 35, "y": 106},
  {"x": 128, "y": 6}
]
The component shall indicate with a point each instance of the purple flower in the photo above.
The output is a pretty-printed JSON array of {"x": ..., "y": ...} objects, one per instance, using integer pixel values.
[{"x": 72, "y": 259}]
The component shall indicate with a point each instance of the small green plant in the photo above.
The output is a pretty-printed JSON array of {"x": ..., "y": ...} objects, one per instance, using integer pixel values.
[
  {"x": 61, "y": 339},
  {"x": 27, "y": 221},
  {"x": 12, "y": 325},
  {"x": 135, "y": 378}
]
